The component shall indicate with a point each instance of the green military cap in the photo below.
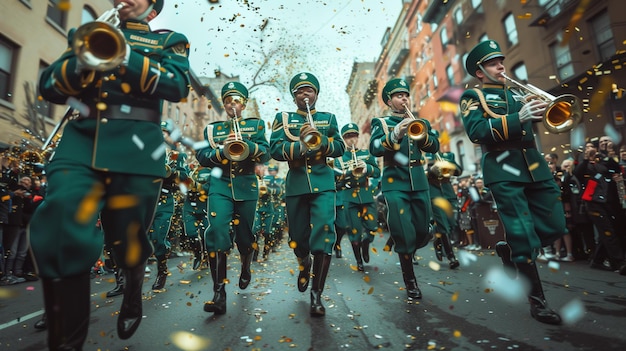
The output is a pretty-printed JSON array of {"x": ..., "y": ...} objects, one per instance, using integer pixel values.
[
  {"x": 448, "y": 156},
  {"x": 272, "y": 167},
  {"x": 304, "y": 79},
  {"x": 482, "y": 52},
  {"x": 393, "y": 86},
  {"x": 157, "y": 5},
  {"x": 167, "y": 126},
  {"x": 234, "y": 89},
  {"x": 350, "y": 128}
]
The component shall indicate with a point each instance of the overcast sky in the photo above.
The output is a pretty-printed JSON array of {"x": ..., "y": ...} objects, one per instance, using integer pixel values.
[{"x": 321, "y": 37}]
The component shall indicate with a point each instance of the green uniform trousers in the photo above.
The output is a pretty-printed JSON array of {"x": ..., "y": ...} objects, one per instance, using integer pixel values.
[
  {"x": 311, "y": 220},
  {"x": 532, "y": 215},
  {"x": 363, "y": 220},
  {"x": 229, "y": 221},
  {"x": 62, "y": 232},
  {"x": 408, "y": 219},
  {"x": 162, "y": 224}
]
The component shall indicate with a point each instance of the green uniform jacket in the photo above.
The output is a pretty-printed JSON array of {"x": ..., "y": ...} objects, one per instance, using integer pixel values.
[
  {"x": 237, "y": 179},
  {"x": 357, "y": 188},
  {"x": 404, "y": 162},
  {"x": 157, "y": 69},
  {"x": 308, "y": 171},
  {"x": 490, "y": 124}
]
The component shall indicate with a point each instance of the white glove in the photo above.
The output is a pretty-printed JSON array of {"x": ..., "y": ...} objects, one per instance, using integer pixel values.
[
  {"x": 127, "y": 56},
  {"x": 400, "y": 129},
  {"x": 532, "y": 111}
]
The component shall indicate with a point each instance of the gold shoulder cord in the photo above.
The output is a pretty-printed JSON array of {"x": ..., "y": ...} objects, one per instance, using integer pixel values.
[
  {"x": 384, "y": 126},
  {"x": 483, "y": 103},
  {"x": 209, "y": 134},
  {"x": 286, "y": 128}
]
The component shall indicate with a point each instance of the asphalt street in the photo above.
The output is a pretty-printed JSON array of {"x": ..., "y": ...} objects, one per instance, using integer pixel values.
[{"x": 476, "y": 307}]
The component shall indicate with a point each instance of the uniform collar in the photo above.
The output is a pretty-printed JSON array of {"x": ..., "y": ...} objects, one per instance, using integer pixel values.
[
  {"x": 304, "y": 113},
  {"x": 493, "y": 86},
  {"x": 135, "y": 25}
]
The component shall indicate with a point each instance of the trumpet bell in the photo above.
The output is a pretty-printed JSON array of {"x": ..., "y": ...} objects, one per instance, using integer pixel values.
[
  {"x": 417, "y": 130},
  {"x": 312, "y": 139},
  {"x": 237, "y": 151},
  {"x": 99, "y": 46},
  {"x": 562, "y": 114}
]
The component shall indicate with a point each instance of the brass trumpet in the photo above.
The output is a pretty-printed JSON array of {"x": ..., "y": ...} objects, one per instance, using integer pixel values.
[
  {"x": 563, "y": 112},
  {"x": 357, "y": 168},
  {"x": 99, "y": 45},
  {"x": 312, "y": 139},
  {"x": 417, "y": 129},
  {"x": 262, "y": 186},
  {"x": 236, "y": 150},
  {"x": 442, "y": 168}
]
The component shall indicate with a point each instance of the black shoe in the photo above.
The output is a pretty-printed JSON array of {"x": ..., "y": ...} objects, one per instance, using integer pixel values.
[
  {"x": 438, "y": 249},
  {"x": 600, "y": 266},
  {"x": 218, "y": 304},
  {"x": 245, "y": 277},
  {"x": 42, "y": 323},
  {"x": 338, "y": 251},
  {"x": 365, "y": 250},
  {"x": 159, "y": 283},
  {"x": 119, "y": 284},
  {"x": 542, "y": 313},
  {"x": 317, "y": 308},
  {"x": 131, "y": 311},
  {"x": 622, "y": 269},
  {"x": 454, "y": 263},
  {"x": 305, "y": 273}
]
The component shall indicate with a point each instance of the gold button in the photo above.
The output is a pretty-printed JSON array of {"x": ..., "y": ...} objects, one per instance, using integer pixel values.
[
  {"x": 104, "y": 120},
  {"x": 104, "y": 94}
]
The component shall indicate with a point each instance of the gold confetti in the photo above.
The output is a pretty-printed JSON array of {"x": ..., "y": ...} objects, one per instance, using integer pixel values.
[
  {"x": 370, "y": 291},
  {"x": 533, "y": 166}
]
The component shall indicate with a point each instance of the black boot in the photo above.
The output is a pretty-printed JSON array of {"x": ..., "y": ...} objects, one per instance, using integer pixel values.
[
  {"x": 412, "y": 290},
  {"x": 356, "y": 248},
  {"x": 365, "y": 250},
  {"x": 198, "y": 249},
  {"x": 162, "y": 273},
  {"x": 438, "y": 248},
  {"x": 304, "y": 265},
  {"x": 131, "y": 309},
  {"x": 67, "y": 311},
  {"x": 446, "y": 248},
  {"x": 245, "y": 276},
  {"x": 217, "y": 263},
  {"x": 340, "y": 234},
  {"x": 321, "y": 265},
  {"x": 42, "y": 324},
  {"x": 504, "y": 252},
  {"x": 539, "y": 309},
  {"x": 119, "y": 283},
  {"x": 388, "y": 244}
]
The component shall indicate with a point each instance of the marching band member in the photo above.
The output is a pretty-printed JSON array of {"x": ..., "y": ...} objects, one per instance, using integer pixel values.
[
  {"x": 235, "y": 146},
  {"x": 518, "y": 176},
  {"x": 305, "y": 139},
  {"x": 401, "y": 140},
  {"x": 358, "y": 167},
  {"x": 195, "y": 219},
  {"x": 104, "y": 165}
]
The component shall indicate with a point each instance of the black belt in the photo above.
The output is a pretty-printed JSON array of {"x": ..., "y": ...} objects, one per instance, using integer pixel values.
[
  {"x": 134, "y": 113},
  {"x": 509, "y": 145},
  {"x": 303, "y": 162},
  {"x": 392, "y": 163}
]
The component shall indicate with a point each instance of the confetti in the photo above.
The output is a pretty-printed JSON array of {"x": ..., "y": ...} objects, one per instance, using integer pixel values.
[
  {"x": 137, "y": 141},
  {"x": 511, "y": 290},
  {"x": 572, "y": 311}
]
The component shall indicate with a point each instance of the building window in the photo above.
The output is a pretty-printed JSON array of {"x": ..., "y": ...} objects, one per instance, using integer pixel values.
[
  {"x": 458, "y": 15},
  {"x": 435, "y": 80},
  {"x": 460, "y": 150},
  {"x": 510, "y": 29},
  {"x": 55, "y": 14},
  {"x": 42, "y": 106},
  {"x": 476, "y": 3},
  {"x": 444, "y": 36},
  {"x": 520, "y": 73},
  {"x": 88, "y": 15},
  {"x": 8, "y": 55},
  {"x": 450, "y": 75},
  {"x": 601, "y": 26},
  {"x": 419, "y": 25},
  {"x": 563, "y": 60}
]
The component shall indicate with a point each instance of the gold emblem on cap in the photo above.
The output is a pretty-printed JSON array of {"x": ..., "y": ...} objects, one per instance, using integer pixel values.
[{"x": 303, "y": 76}]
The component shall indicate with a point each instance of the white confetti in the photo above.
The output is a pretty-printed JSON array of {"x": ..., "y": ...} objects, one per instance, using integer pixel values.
[
  {"x": 434, "y": 266},
  {"x": 78, "y": 105},
  {"x": 511, "y": 169},
  {"x": 554, "y": 265},
  {"x": 159, "y": 151},
  {"x": 138, "y": 142},
  {"x": 200, "y": 145},
  {"x": 258, "y": 330},
  {"x": 572, "y": 311},
  {"x": 612, "y": 133},
  {"x": 216, "y": 172},
  {"x": 511, "y": 290},
  {"x": 378, "y": 336},
  {"x": 502, "y": 156},
  {"x": 401, "y": 158},
  {"x": 176, "y": 134},
  {"x": 466, "y": 257}
]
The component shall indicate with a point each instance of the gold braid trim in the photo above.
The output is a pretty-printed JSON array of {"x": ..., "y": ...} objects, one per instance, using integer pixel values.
[
  {"x": 286, "y": 128},
  {"x": 209, "y": 136},
  {"x": 483, "y": 103}
]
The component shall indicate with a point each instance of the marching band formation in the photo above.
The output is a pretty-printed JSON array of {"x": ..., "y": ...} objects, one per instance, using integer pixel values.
[{"x": 106, "y": 169}]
